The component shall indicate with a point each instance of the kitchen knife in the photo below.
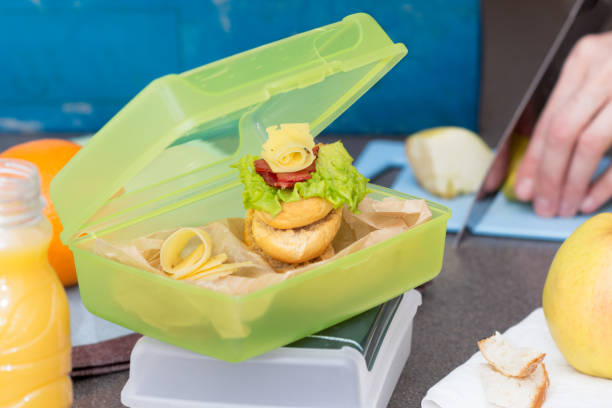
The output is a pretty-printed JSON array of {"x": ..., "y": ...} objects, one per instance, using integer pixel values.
[{"x": 584, "y": 17}]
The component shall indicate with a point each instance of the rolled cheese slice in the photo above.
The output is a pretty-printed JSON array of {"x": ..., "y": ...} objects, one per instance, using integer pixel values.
[
  {"x": 289, "y": 147},
  {"x": 185, "y": 251}
]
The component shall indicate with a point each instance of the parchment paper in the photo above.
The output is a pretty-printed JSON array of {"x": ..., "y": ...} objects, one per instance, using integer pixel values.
[{"x": 376, "y": 222}]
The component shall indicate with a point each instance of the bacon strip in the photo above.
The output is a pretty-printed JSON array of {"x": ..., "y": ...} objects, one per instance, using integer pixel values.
[{"x": 285, "y": 180}]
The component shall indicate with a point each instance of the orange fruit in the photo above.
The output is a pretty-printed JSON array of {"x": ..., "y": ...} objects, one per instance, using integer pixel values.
[{"x": 50, "y": 155}]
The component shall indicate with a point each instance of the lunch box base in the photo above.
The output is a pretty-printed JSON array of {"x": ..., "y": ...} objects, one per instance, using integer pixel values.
[{"x": 162, "y": 375}]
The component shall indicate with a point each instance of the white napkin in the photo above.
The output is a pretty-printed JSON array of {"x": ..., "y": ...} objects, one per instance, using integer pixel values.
[{"x": 568, "y": 387}]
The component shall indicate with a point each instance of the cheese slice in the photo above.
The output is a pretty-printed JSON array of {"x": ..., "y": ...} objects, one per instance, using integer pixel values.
[
  {"x": 289, "y": 147},
  {"x": 211, "y": 263},
  {"x": 184, "y": 251},
  {"x": 220, "y": 270},
  {"x": 186, "y": 255}
]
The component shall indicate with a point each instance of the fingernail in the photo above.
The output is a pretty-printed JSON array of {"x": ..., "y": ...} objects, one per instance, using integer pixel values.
[
  {"x": 587, "y": 205},
  {"x": 524, "y": 188},
  {"x": 542, "y": 207},
  {"x": 567, "y": 210}
]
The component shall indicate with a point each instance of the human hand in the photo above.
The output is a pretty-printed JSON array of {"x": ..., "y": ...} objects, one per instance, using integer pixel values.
[{"x": 572, "y": 135}]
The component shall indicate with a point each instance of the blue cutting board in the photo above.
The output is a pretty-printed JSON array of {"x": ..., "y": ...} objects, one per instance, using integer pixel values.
[
  {"x": 507, "y": 218},
  {"x": 86, "y": 328},
  {"x": 381, "y": 155},
  {"x": 503, "y": 218}
]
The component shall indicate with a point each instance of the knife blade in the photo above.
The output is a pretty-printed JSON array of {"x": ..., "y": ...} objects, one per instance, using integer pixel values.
[{"x": 584, "y": 17}]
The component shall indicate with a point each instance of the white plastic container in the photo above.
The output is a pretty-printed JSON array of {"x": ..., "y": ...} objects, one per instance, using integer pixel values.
[{"x": 162, "y": 375}]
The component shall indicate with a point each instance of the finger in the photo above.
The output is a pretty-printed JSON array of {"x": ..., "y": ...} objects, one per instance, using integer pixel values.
[
  {"x": 562, "y": 134},
  {"x": 571, "y": 78},
  {"x": 528, "y": 169},
  {"x": 599, "y": 194},
  {"x": 591, "y": 146}
]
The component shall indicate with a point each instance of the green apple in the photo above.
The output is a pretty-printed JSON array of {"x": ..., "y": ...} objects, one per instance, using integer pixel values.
[
  {"x": 518, "y": 148},
  {"x": 577, "y": 297}
]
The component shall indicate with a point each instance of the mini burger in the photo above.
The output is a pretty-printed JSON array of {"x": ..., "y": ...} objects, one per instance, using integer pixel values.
[{"x": 294, "y": 195}]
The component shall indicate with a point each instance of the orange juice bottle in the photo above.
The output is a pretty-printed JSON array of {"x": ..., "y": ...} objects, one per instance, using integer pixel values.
[{"x": 34, "y": 316}]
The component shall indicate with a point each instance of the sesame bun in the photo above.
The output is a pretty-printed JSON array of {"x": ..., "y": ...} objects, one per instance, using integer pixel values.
[
  {"x": 297, "y": 214},
  {"x": 296, "y": 245}
]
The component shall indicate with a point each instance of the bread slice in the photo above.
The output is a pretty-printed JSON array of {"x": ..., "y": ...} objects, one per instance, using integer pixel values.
[
  {"x": 508, "y": 359},
  {"x": 510, "y": 392}
]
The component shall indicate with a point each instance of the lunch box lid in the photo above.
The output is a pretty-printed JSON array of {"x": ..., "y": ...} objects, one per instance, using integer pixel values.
[{"x": 309, "y": 77}]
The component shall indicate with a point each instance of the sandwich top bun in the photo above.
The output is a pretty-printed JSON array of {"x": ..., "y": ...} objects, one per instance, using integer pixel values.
[
  {"x": 296, "y": 214},
  {"x": 297, "y": 245}
]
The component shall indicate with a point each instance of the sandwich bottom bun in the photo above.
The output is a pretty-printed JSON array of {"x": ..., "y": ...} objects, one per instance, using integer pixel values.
[
  {"x": 297, "y": 214},
  {"x": 292, "y": 246}
]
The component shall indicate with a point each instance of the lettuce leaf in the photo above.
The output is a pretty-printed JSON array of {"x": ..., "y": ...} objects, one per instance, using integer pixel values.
[{"x": 335, "y": 179}]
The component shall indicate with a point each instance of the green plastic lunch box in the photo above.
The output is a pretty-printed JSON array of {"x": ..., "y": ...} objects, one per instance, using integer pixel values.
[{"x": 164, "y": 161}]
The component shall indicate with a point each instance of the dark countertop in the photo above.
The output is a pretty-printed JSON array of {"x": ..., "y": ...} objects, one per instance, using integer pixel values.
[{"x": 487, "y": 284}]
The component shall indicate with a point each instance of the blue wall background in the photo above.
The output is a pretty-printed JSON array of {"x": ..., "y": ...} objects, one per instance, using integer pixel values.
[{"x": 71, "y": 65}]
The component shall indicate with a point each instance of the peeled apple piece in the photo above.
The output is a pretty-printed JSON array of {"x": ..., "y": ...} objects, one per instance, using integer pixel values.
[{"x": 448, "y": 161}]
